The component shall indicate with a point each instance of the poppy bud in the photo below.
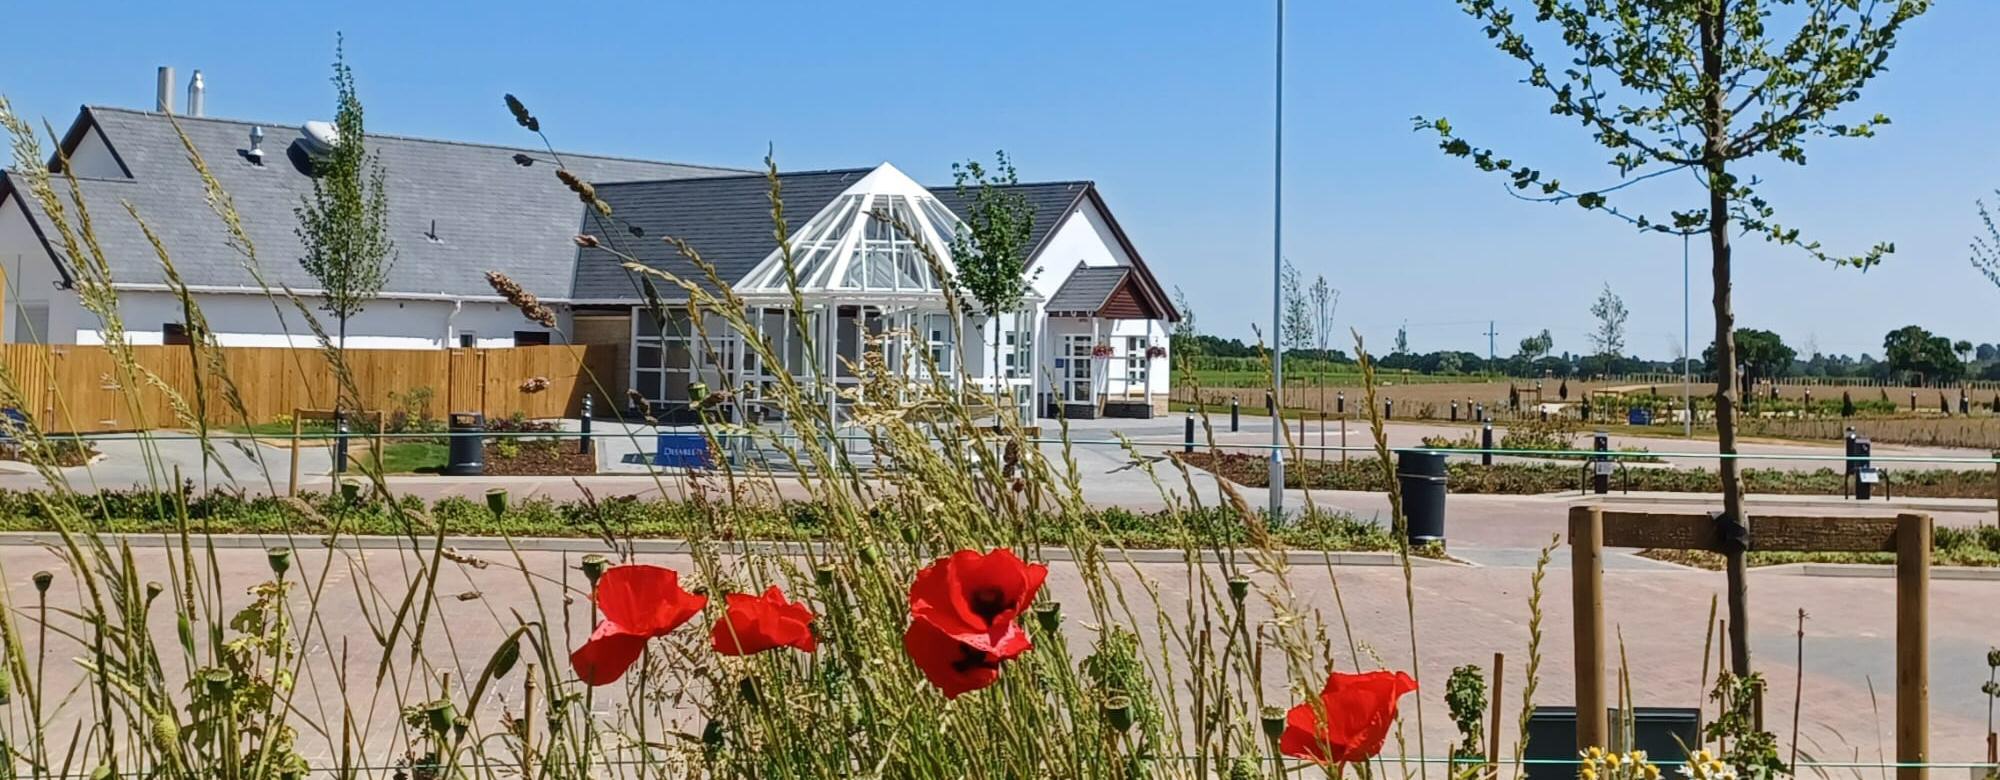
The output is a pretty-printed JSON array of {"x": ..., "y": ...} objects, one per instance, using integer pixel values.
[
  {"x": 102, "y": 772},
  {"x": 823, "y": 575},
  {"x": 1274, "y": 722},
  {"x": 166, "y": 732},
  {"x": 585, "y": 240},
  {"x": 1990, "y": 688},
  {"x": 747, "y": 688},
  {"x": 496, "y": 502},
  {"x": 1239, "y": 589},
  {"x": 1992, "y": 656},
  {"x": 868, "y": 554},
  {"x": 594, "y": 566},
  {"x": 153, "y": 590},
  {"x": 441, "y": 715},
  {"x": 1048, "y": 615},
  {"x": 711, "y": 734},
  {"x": 43, "y": 579},
  {"x": 350, "y": 491},
  {"x": 1118, "y": 713},
  {"x": 280, "y": 559}
]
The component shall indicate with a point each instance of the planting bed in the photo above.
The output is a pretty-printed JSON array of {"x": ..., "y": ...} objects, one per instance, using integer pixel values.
[
  {"x": 1367, "y": 474},
  {"x": 627, "y": 517}
]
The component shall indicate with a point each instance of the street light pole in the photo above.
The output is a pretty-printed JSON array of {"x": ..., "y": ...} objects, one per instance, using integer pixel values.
[
  {"x": 1277, "y": 462},
  {"x": 1687, "y": 377}
]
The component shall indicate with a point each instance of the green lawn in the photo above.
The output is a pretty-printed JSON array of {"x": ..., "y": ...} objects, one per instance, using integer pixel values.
[
  {"x": 1216, "y": 377},
  {"x": 277, "y": 429},
  {"x": 406, "y": 457}
]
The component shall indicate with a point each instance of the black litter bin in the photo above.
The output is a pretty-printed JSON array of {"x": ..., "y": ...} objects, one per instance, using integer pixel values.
[
  {"x": 468, "y": 445},
  {"x": 1665, "y": 733},
  {"x": 1551, "y": 752},
  {"x": 1421, "y": 475}
]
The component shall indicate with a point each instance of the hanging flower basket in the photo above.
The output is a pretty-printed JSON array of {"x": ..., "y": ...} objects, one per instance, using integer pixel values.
[
  {"x": 1100, "y": 351},
  {"x": 1155, "y": 352}
]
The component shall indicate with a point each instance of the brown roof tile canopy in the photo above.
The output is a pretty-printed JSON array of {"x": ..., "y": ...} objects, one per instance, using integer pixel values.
[{"x": 1103, "y": 291}]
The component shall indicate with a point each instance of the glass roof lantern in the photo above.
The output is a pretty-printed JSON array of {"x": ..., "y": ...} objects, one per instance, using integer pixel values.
[{"x": 868, "y": 239}]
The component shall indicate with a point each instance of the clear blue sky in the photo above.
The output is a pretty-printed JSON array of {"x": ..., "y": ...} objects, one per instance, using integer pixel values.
[{"x": 1167, "y": 105}]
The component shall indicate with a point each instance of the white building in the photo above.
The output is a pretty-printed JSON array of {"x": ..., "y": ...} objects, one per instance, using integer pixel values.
[{"x": 1089, "y": 340}]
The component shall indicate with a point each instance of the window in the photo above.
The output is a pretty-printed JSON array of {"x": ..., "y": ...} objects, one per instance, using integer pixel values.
[
  {"x": 468, "y": 339},
  {"x": 174, "y": 334},
  {"x": 1136, "y": 364},
  {"x": 531, "y": 338},
  {"x": 1019, "y": 354}
]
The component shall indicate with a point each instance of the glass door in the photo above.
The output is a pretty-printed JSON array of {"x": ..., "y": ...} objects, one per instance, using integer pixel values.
[{"x": 1076, "y": 369}]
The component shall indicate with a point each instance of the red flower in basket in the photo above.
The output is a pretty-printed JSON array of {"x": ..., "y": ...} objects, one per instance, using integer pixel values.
[
  {"x": 754, "y": 624},
  {"x": 1100, "y": 350},
  {"x": 639, "y": 602},
  {"x": 1358, "y": 710},
  {"x": 1155, "y": 352},
  {"x": 964, "y": 610}
]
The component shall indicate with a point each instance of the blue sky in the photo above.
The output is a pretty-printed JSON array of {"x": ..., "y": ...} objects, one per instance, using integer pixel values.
[{"x": 1166, "y": 104}]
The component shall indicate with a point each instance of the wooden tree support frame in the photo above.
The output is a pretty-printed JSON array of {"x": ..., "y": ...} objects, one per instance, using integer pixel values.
[
  {"x": 1593, "y": 528},
  {"x": 299, "y": 418}
]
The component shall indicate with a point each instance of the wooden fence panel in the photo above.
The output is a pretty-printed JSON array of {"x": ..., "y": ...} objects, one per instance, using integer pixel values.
[{"x": 77, "y": 388}]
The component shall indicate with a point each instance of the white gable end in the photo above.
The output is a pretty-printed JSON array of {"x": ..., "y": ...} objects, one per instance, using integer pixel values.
[{"x": 1083, "y": 237}]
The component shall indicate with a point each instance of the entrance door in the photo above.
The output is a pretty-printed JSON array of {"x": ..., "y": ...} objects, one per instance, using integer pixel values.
[{"x": 1076, "y": 369}]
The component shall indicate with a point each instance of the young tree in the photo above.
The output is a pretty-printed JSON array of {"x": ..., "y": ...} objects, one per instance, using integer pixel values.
[
  {"x": 1609, "y": 337},
  {"x": 1185, "y": 339},
  {"x": 1986, "y": 250},
  {"x": 344, "y": 224},
  {"x": 1403, "y": 339},
  {"x": 1296, "y": 331},
  {"x": 1325, "y": 299},
  {"x": 1698, "y": 88},
  {"x": 991, "y": 251},
  {"x": 1536, "y": 346},
  {"x": 1964, "y": 350}
]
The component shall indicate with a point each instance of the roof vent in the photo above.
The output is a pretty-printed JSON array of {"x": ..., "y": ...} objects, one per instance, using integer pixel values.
[
  {"x": 256, "y": 151},
  {"x": 163, "y": 93},
  {"x": 319, "y": 138},
  {"x": 197, "y": 91}
]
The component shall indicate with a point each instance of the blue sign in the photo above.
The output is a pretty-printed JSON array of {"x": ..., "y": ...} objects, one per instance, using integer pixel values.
[
  {"x": 683, "y": 450},
  {"x": 13, "y": 421},
  {"x": 1639, "y": 415}
]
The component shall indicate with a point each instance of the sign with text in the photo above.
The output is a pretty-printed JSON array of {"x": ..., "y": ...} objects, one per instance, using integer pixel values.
[{"x": 683, "y": 450}]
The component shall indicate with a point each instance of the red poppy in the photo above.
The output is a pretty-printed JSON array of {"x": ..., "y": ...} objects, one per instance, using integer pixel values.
[
  {"x": 754, "y": 624},
  {"x": 956, "y": 667},
  {"x": 639, "y": 602},
  {"x": 1359, "y": 708},
  {"x": 975, "y": 598}
]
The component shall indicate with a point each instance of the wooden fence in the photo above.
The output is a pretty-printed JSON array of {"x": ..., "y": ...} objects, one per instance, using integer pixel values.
[{"x": 80, "y": 388}]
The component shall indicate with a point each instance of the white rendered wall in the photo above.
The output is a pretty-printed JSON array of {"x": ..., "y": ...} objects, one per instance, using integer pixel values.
[
  {"x": 30, "y": 274},
  {"x": 243, "y": 320},
  {"x": 93, "y": 160}
]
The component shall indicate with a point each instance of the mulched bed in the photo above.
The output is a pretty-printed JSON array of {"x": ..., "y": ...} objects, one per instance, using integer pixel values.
[
  {"x": 539, "y": 459},
  {"x": 1367, "y": 474},
  {"x": 59, "y": 453}
]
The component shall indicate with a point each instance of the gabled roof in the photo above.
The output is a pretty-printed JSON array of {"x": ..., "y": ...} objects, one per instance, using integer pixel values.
[
  {"x": 456, "y": 210},
  {"x": 1086, "y": 289},
  {"x": 728, "y": 220}
]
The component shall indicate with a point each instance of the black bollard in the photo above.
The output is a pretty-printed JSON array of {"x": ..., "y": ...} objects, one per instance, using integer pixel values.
[
  {"x": 339, "y": 442},
  {"x": 1187, "y": 442},
  {"x": 1486, "y": 443},
  {"x": 1235, "y": 415},
  {"x": 1454, "y": 410},
  {"x": 1340, "y": 402},
  {"x": 583, "y": 441},
  {"x": 1601, "y": 480},
  {"x": 1388, "y": 408}
]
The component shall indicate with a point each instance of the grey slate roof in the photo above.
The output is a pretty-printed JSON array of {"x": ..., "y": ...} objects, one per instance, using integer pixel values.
[
  {"x": 1087, "y": 288},
  {"x": 490, "y": 213},
  {"x": 728, "y": 220}
]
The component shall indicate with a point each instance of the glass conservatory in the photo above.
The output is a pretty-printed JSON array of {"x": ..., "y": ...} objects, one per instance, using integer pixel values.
[{"x": 870, "y": 270}]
